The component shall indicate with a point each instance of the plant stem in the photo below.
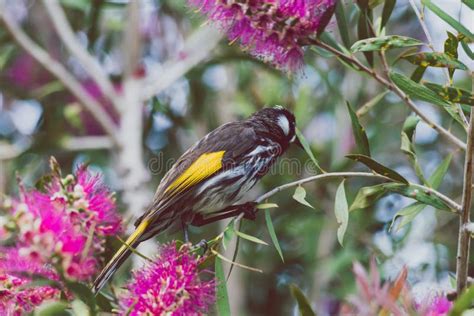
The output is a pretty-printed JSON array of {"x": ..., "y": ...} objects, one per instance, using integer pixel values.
[
  {"x": 464, "y": 236},
  {"x": 455, "y": 206},
  {"x": 391, "y": 86}
]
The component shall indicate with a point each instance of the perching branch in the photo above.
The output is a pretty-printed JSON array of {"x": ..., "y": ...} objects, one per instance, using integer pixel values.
[
  {"x": 464, "y": 238},
  {"x": 392, "y": 87},
  {"x": 89, "y": 63},
  {"x": 455, "y": 206},
  {"x": 60, "y": 72},
  {"x": 196, "y": 48}
]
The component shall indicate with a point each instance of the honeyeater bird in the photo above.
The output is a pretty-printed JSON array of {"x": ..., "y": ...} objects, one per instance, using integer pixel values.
[{"x": 205, "y": 182}]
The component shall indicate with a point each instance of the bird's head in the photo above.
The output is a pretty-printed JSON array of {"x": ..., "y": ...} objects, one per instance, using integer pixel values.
[{"x": 280, "y": 123}]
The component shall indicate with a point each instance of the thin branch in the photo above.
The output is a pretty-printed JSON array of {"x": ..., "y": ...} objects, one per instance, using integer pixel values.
[
  {"x": 132, "y": 42},
  {"x": 464, "y": 241},
  {"x": 60, "y": 72},
  {"x": 89, "y": 63},
  {"x": 391, "y": 86},
  {"x": 197, "y": 48},
  {"x": 453, "y": 205}
]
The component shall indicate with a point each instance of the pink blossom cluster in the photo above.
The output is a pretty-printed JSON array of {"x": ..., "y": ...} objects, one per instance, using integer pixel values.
[
  {"x": 169, "y": 286},
  {"x": 59, "y": 230},
  {"x": 274, "y": 30}
]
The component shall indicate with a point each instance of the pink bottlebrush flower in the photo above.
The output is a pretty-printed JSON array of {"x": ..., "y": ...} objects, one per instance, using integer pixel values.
[
  {"x": 438, "y": 305},
  {"x": 16, "y": 296},
  {"x": 170, "y": 285},
  {"x": 273, "y": 30}
]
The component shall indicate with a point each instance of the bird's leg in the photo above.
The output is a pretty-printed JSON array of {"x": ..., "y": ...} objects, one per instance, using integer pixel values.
[{"x": 248, "y": 209}]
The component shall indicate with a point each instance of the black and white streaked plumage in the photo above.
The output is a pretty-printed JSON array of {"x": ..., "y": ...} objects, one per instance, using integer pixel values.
[{"x": 206, "y": 181}]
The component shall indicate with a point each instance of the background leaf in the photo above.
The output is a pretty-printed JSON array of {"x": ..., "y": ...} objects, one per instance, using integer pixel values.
[
  {"x": 341, "y": 210},
  {"x": 359, "y": 133},
  {"x": 303, "y": 305},
  {"x": 271, "y": 231},
  {"x": 223, "y": 307},
  {"x": 308, "y": 150},
  {"x": 407, "y": 144},
  {"x": 451, "y": 94},
  {"x": 378, "y": 168},
  {"x": 300, "y": 196},
  {"x": 387, "y": 12},
  {"x": 384, "y": 43}
]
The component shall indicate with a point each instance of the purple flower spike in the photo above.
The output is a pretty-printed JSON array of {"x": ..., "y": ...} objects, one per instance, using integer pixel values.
[
  {"x": 272, "y": 30},
  {"x": 169, "y": 286}
]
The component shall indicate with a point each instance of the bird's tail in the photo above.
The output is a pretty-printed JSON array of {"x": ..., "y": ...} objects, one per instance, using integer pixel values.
[{"x": 120, "y": 256}]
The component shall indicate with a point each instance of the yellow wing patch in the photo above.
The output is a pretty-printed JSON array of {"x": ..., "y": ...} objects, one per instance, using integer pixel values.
[{"x": 205, "y": 166}]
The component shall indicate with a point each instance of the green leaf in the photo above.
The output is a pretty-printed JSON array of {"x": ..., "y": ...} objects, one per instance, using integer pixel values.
[
  {"x": 304, "y": 306},
  {"x": 378, "y": 168},
  {"x": 82, "y": 5},
  {"x": 469, "y": 3},
  {"x": 271, "y": 231},
  {"x": 384, "y": 43},
  {"x": 387, "y": 12},
  {"x": 52, "y": 309},
  {"x": 300, "y": 196},
  {"x": 342, "y": 24},
  {"x": 364, "y": 109},
  {"x": 419, "y": 91},
  {"x": 341, "y": 210},
  {"x": 266, "y": 205},
  {"x": 363, "y": 32},
  {"x": 437, "y": 177},
  {"x": 407, "y": 146},
  {"x": 84, "y": 293},
  {"x": 451, "y": 49},
  {"x": 369, "y": 195},
  {"x": 104, "y": 302},
  {"x": 416, "y": 193},
  {"x": 448, "y": 19},
  {"x": 463, "y": 303},
  {"x": 407, "y": 214},
  {"x": 417, "y": 75},
  {"x": 229, "y": 233},
  {"x": 223, "y": 307},
  {"x": 80, "y": 308},
  {"x": 451, "y": 94},
  {"x": 434, "y": 59},
  {"x": 411, "y": 211},
  {"x": 467, "y": 49},
  {"x": 359, "y": 133},
  {"x": 416, "y": 90},
  {"x": 308, "y": 150},
  {"x": 250, "y": 238}
]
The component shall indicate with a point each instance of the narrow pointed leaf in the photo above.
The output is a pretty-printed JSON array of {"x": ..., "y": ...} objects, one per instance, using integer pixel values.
[
  {"x": 363, "y": 34},
  {"x": 223, "y": 307},
  {"x": 469, "y": 3},
  {"x": 264, "y": 206},
  {"x": 229, "y": 233},
  {"x": 387, "y": 12},
  {"x": 417, "y": 75},
  {"x": 407, "y": 215},
  {"x": 308, "y": 150},
  {"x": 304, "y": 306},
  {"x": 451, "y": 49},
  {"x": 407, "y": 145},
  {"x": 463, "y": 303},
  {"x": 364, "y": 109},
  {"x": 384, "y": 43},
  {"x": 300, "y": 196},
  {"x": 435, "y": 59},
  {"x": 273, "y": 236},
  {"x": 250, "y": 238},
  {"x": 378, "y": 168},
  {"x": 448, "y": 19},
  {"x": 52, "y": 308},
  {"x": 341, "y": 210},
  {"x": 359, "y": 133},
  {"x": 467, "y": 49},
  {"x": 451, "y": 94},
  {"x": 367, "y": 196},
  {"x": 342, "y": 24},
  {"x": 438, "y": 175},
  {"x": 84, "y": 293}
]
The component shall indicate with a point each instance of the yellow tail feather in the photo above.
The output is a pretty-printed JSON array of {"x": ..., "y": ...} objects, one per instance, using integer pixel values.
[{"x": 120, "y": 256}]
